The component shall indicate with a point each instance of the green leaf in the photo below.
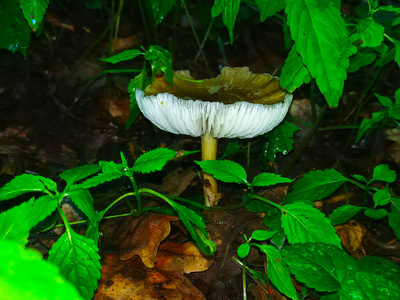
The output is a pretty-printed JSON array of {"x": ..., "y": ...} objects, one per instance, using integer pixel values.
[
  {"x": 385, "y": 101},
  {"x": 368, "y": 124},
  {"x": 160, "y": 8},
  {"x": 389, "y": 8},
  {"x": 25, "y": 275},
  {"x": 361, "y": 59},
  {"x": 15, "y": 35},
  {"x": 382, "y": 197},
  {"x": 96, "y": 180},
  {"x": 375, "y": 214},
  {"x": 274, "y": 222},
  {"x": 83, "y": 199},
  {"x": 22, "y": 184},
  {"x": 34, "y": 12},
  {"x": 138, "y": 82},
  {"x": 111, "y": 167},
  {"x": 315, "y": 185},
  {"x": 243, "y": 250},
  {"x": 385, "y": 58},
  {"x": 379, "y": 266},
  {"x": 394, "y": 216},
  {"x": 368, "y": 33},
  {"x": 397, "y": 55},
  {"x": 321, "y": 40},
  {"x": 224, "y": 170},
  {"x": 383, "y": 173},
  {"x": 229, "y": 10},
  {"x": 278, "y": 271},
  {"x": 344, "y": 213},
  {"x": 267, "y": 179},
  {"x": 262, "y": 235},
  {"x": 268, "y": 8},
  {"x": 294, "y": 72},
  {"x": 153, "y": 160},
  {"x": 160, "y": 60},
  {"x": 78, "y": 260},
  {"x": 360, "y": 178},
  {"x": 318, "y": 265},
  {"x": 303, "y": 223},
  {"x": 368, "y": 286},
  {"x": 73, "y": 175},
  {"x": 231, "y": 149},
  {"x": 42, "y": 208},
  {"x": 123, "y": 56}
]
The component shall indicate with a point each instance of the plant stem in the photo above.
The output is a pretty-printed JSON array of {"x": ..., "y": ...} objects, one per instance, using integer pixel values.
[
  {"x": 209, "y": 152},
  {"x": 121, "y": 5},
  {"x": 244, "y": 279},
  {"x": 138, "y": 198}
]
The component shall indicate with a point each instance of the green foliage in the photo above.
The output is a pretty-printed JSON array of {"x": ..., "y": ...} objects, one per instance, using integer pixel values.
[
  {"x": 73, "y": 175},
  {"x": 22, "y": 184},
  {"x": 153, "y": 160},
  {"x": 383, "y": 173},
  {"x": 267, "y": 179},
  {"x": 268, "y": 8},
  {"x": 224, "y": 170},
  {"x": 344, "y": 213},
  {"x": 394, "y": 216},
  {"x": 34, "y": 12},
  {"x": 229, "y": 10},
  {"x": 26, "y": 276},
  {"x": 160, "y": 8}
]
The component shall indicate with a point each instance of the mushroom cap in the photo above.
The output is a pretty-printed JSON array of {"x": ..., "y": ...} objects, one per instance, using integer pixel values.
[{"x": 236, "y": 104}]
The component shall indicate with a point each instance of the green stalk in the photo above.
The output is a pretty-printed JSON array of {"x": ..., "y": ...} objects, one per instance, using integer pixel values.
[{"x": 121, "y": 5}]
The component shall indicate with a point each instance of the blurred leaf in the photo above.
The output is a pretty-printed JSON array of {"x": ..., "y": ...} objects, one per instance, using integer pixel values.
[
  {"x": 383, "y": 173},
  {"x": 361, "y": 59},
  {"x": 379, "y": 266},
  {"x": 268, "y": 8},
  {"x": 368, "y": 124},
  {"x": 84, "y": 201},
  {"x": 385, "y": 58},
  {"x": 388, "y": 8},
  {"x": 274, "y": 222},
  {"x": 243, "y": 250},
  {"x": 375, "y": 214},
  {"x": 382, "y": 197},
  {"x": 22, "y": 184},
  {"x": 369, "y": 33},
  {"x": 360, "y": 178},
  {"x": 160, "y": 8},
  {"x": 153, "y": 160},
  {"x": 139, "y": 82},
  {"x": 34, "y": 12},
  {"x": 315, "y": 185},
  {"x": 78, "y": 260},
  {"x": 394, "y": 216},
  {"x": 73, "y": 175},
  {"x": 262, "y": 235},
  {"x": 344, "y": 213},
  {"x": 160, "y": 60},
  {"x": 123, "y": 56},
  {"x": 25, "y": 275},
  {"x": 397, "y": 55},
  {"x": 267, "y": 179},
  {"x": 224, "y": 170},
  {"x": 229, "y": 10},
  {"x": 230, "y": 149},
  {"x": 303, "y": 223}
]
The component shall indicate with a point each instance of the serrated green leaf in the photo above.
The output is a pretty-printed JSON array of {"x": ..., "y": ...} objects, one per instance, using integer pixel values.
[
  {"x": 153, "y": 160},
  {"x": 243, "y": 250},
  {"x": 22, "y": 184},
  {"x": 361, "y": 59},
  {"x": 360, "y": 177},
  {"x": 394, "y": 216},
  {"x": 268, "y": 8},
  {"x": 303, "y": 223},
  {"x": 42, "y": 208},
  {"x": 368, "y": 33},
  {"x": 382, "y": 197},
  {"x": 25, "y": 275},
  {"x": 96, "y": 180},
  {"x": 379, "y": 266},
  {"x": 160, "y": 9},
  {"x": 344, "y": 213},
  {"x": 15, "y": 35},
  {"x": 389, "y": 8},
  {"x": 315, "y": 185},
  {"x": 321, "y": 40},
  {"x": 294, "y": 72},
  {"x": 160, "y": 60},
  {"x": 229, "y": 10},
  {"x": 123, "y": 56},
  {"x": 318, "y": 265},
  {"x": 262, "y": 235},
  {"x": 267, "y": 179},
  {"x": 224, "y": 170},
  {"x": 83, "y": 199},
  {"x": 278, "y": 271},
  {"x": 376, "y": 214},
  {"x": 78, "y": 260},
  {"x": 368, "y": 286},
  {"x": 73, "y": 175},
  {"x": 383, "y": 173},
  {"x": 111, "y": 167},
  {"x": 33, "y": 12}
]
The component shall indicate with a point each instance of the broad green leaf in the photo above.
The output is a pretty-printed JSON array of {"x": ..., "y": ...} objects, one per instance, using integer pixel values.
[
  {"x": 344, "y": 213},
  {"x": 160, "y": 8},
  {"x": 153, "y": 160},
  {"x": 262, "y": 235},
  {"x": 376, "y": 214},
  {"x": 278, "y": 271},
  {"x": 42, "y": 208},
  {"x": 160, "y": 60},
  {"x": 368, "y": 33},
  {"x": 394, "y": 216},
  {"x": 361, "y": 59},
  {"x": 294, "y": 72},
  {"x": 383, "y": 173},
  {"x": 243, "y": 250},
  {"x": 379, "y": 266},
  {"x": 123, "y": 56},
  {"x": 321, "y": 40},
  {"x": 368, "y": 124},
  {"x": 25, "y": 275},
  {"x": 139, "y": 82},
  {"x": 382, "y": 197},
  {"x": 303, "y": 223},
  {"x": 22, "y": 184},
  {"x": 83, "y": 199},
  {"x": 224, "y": 170},
  {"x": 78, "y": 260},
  {"x": 318, "y": 265},
  {"x": 96, "y": 180},
  {"x": 34, "y": 10},
  {"x": 229, "y": 10},
  {"x": 368, "y": 286},
  {"x": 73, "y": 175},
  {"x": 268, "y": 8},
  {"x": 279, "y": 140},
  {"x": 385, "y": 101},
  {"x": 315, "y": 185},
  {"x": 15, "y": 35},
  {"x": 360, "y": 178},
  {"x": 267, "y": 179}
]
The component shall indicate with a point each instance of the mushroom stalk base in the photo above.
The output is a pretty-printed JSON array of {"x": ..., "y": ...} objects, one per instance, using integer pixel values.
[{"x": 209, "y": 152}]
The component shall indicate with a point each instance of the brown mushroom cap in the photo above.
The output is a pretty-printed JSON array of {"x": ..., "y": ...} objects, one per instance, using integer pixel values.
[{"x": 236, "y": 104}]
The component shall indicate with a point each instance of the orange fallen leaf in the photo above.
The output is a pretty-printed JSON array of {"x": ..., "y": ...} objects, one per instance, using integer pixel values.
[{"x": 352, "y": 234}]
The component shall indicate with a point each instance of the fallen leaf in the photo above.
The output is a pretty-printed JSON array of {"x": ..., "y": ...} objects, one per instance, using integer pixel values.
[{"x": 352, "y": 234}]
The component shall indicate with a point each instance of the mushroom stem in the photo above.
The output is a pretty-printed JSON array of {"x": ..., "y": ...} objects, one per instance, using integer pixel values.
[{"x": 209, "y": 152}]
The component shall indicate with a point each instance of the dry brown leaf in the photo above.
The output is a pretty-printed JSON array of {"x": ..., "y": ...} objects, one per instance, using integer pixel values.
[
  {"x": 352, "y": 234},
  {"x": 175, "y": 182},
  {"x": 144, "y": 237}
]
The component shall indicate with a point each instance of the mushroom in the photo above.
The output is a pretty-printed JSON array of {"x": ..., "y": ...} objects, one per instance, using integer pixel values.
[{"x": 236, "y": 104}]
